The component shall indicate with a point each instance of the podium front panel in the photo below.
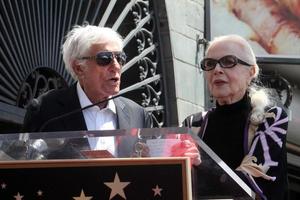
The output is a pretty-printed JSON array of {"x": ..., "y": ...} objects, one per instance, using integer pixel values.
[
  {"x": 212, "y": 179},
  {"x": 136, "y": 178}
]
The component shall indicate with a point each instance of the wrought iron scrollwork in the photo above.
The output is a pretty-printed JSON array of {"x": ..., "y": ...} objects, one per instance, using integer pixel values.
[
  {"x": 147, "y": 63},
  {"x": 282, "y": 87},
  {"x": 202, "y": 44},
  {"x": 37, "y": 83},
  {"x": 140, "y": 10}
]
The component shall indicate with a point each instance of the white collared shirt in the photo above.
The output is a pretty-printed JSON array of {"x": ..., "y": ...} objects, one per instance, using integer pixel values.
[{"x": 99, "y": 119}]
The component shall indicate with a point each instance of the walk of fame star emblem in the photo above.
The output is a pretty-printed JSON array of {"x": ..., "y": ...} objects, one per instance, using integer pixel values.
[
  {"x": 117, "y": 187},
  {"x": 82, "y": 196},
  {"x": 157, "y": 190}
]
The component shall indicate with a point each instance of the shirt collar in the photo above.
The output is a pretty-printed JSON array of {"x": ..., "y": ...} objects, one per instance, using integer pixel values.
[{"x": 84, "y": 101}]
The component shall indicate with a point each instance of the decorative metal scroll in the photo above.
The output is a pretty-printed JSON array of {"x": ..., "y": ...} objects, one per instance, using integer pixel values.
[
  {"x": 32, "y": 32},
  {"x": 38, "y": 82},
  {"x": 282, "y": 88}
]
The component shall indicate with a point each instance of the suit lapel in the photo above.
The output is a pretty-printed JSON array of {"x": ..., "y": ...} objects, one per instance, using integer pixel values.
[
  {"x": 126, "y": 144},
  {"x": 70, "y": 102},
  {"x": 122, "y": 114}
]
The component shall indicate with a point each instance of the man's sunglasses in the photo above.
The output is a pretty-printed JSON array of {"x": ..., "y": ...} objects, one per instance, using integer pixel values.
[
  {"x": 104, "y": 58},
  {"x": 228, "y": 61}
]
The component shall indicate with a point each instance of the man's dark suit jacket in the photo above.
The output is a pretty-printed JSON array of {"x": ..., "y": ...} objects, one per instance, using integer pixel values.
[{"x": 59, "y": 102}]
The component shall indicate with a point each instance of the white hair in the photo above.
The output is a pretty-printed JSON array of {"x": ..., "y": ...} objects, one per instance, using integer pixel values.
[
  {"x": 80, "y": 39},
  {"x": 260, "y": 100},
  {"x": 244, "y": 47},
  {"x": 260, "y": 96}
]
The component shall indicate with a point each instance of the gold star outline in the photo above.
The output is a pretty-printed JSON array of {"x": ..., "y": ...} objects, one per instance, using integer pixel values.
[
  {"x": 18, "y": 196},
  {"x": 82, "y": 196},
  {"x": 157, "y": 190},
  {"x": 3, "y": 186},
  {"x": 117, "y": 187},
  {"x": 39, "y": 193}
]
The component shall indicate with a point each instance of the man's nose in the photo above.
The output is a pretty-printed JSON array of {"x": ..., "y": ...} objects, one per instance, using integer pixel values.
[{"x": 115, "y": 63}]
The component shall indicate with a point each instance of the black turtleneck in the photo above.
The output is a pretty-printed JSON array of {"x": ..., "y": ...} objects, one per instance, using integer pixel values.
[{"x": 225, "y": 131}]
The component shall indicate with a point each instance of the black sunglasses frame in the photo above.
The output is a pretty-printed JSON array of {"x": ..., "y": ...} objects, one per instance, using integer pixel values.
[
  {"x": 104, "y": 58},
  {"x": 236, "y": 59}
]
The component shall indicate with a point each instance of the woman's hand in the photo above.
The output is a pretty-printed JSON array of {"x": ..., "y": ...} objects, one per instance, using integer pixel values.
[{"x": 186, "y": 148}]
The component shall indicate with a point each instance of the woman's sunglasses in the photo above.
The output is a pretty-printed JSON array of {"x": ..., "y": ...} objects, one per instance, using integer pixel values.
[
  {"x": 228, "y": 61},
  {"x": 104, "y": 58}
]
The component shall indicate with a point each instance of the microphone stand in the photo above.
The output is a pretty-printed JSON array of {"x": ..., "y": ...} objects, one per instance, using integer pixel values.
[
  {"x": 124, "y": 91},
  {"x": 77, "y": 110}
]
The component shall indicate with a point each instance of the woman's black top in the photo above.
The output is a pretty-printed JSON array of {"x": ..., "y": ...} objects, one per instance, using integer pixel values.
[{"x": 225, "y": 130}]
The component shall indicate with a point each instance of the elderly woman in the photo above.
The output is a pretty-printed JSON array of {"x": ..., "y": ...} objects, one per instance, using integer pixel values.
[{"x": 244, "y": 129}]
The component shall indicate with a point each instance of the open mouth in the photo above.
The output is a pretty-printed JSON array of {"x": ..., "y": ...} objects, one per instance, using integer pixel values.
[{"x": 114, "y": 79}]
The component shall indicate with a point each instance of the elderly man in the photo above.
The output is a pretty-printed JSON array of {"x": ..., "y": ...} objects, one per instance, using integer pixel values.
[{"x": 94, "y": 57}]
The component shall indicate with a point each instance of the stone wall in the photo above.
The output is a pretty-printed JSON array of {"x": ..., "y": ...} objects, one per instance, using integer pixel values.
[{"x": 186, "y": 23}]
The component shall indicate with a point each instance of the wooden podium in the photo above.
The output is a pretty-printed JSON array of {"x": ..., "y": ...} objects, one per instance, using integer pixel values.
[
  {"x": 62, "y": 165},
  {"x": 121, "y": 178}
]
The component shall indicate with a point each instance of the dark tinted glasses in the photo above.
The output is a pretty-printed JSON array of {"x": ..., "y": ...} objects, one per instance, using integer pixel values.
[
  {"x": 104, "y": 58},
  {"x": 228, "y": 61}
]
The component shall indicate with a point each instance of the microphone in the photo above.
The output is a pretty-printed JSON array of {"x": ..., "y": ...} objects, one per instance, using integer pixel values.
[{"x": 122, "y": 92}]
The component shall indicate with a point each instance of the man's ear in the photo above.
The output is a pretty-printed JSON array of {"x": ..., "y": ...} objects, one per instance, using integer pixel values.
[{"x": 77, "y": 68}]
